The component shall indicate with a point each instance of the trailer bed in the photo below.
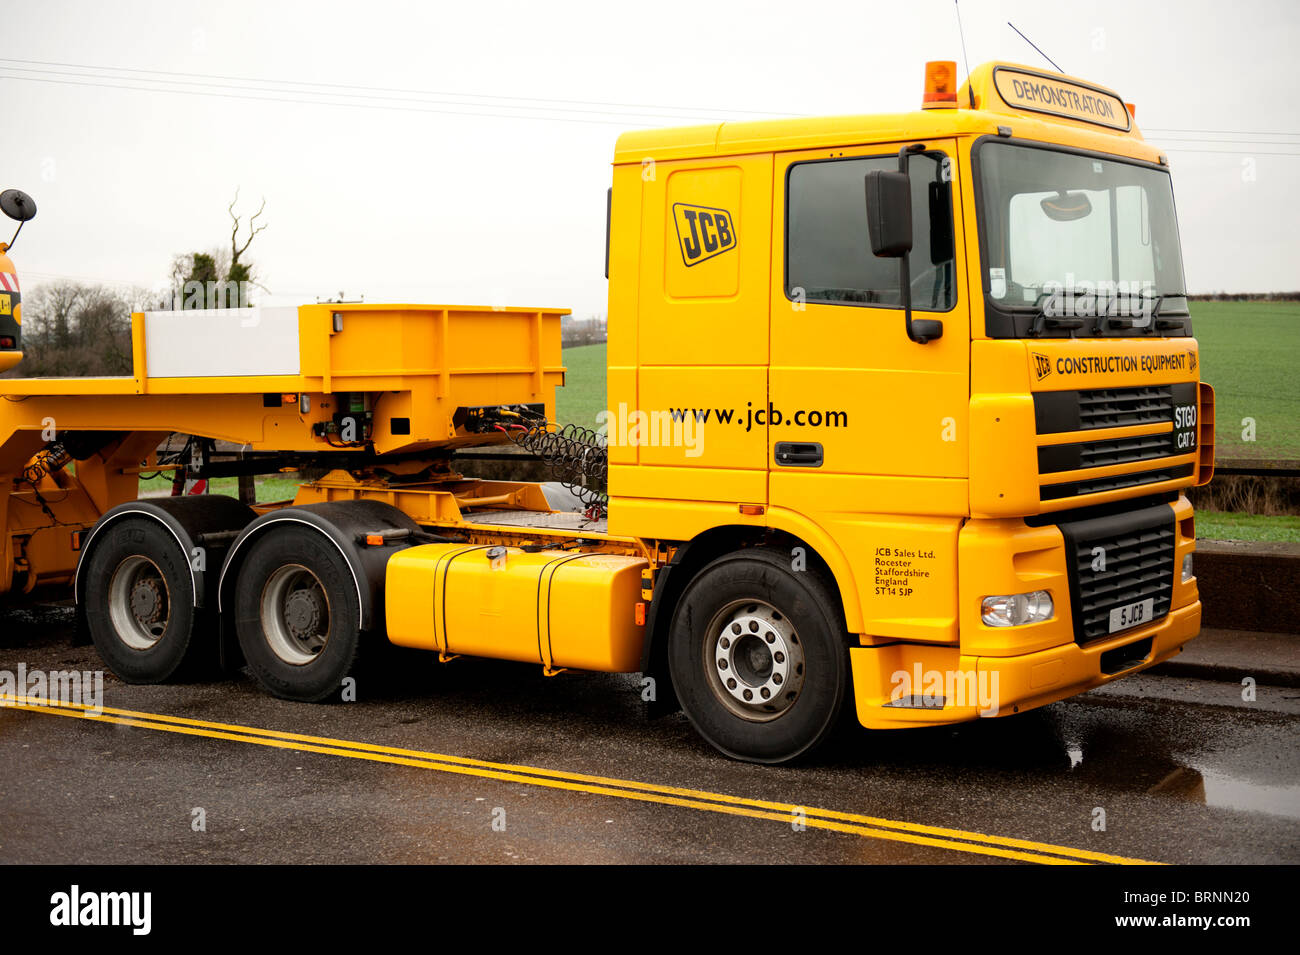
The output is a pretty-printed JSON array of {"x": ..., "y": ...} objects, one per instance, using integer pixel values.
[{"x": 542, "y": 520}]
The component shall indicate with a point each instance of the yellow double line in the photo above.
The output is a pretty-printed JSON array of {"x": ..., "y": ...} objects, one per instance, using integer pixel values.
[{"x": 871, "y": 827}]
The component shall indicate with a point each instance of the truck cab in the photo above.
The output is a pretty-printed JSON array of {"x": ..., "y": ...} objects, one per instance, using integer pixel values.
[{"x": 984, "y": 440}]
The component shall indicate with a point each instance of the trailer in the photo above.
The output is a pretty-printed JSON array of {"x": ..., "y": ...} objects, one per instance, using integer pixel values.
[{"x": 902, "y": 410}]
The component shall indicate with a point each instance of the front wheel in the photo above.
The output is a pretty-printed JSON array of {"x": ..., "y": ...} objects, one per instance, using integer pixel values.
[{"x": 758, "y": 657}]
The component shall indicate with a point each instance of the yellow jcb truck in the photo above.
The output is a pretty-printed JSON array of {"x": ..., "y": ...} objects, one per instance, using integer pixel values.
[{"x": 901, "y": 413}]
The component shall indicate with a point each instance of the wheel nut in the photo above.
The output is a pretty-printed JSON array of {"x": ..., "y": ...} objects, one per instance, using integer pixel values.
[
  {"x": 753, "y": 626},
  {"x": 779, "y": 657},
  {"x": 765, "y": 692},
  {"x": 724, "y": 643},
  {"x": 735, "y": 628},
  {"x": 771, "y": 638},
  {"x": 731, "y": 684},
  {"x": 722, "y": 664},
  {"x": 777, "y": 679},
  {"x": 749, "y": 694}
]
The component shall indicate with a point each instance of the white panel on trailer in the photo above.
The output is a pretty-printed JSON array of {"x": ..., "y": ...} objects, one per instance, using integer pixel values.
[{"x": 222, "y": 342}]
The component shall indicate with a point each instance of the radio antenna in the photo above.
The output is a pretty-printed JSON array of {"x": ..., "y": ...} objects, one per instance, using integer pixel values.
[
  {"x": 1035, "y": 46},
  {"x": 970, "y": 90}
]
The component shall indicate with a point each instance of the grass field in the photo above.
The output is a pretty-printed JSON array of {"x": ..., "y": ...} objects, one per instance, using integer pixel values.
[
  {"x": 1249, "y": 353},
  {"x": 268, "y": 488},
  {"x": 583, "y": 394},
  {"x": 1217, "y": 525}
]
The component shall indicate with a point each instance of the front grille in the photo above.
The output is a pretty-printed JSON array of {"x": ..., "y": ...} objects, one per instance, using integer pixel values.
[
  {"x": 1122, "y": 407},
  {"x": 1138, "y": 549},
  {"x": 1075, "y": 413},
  {"x": 1097, "y": 454},
  {"x": 1054, "y": 492},
  {"x": 1059, "y": 411}
]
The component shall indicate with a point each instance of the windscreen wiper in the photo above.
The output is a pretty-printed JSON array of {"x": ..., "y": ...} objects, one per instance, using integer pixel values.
[
  {"x": 1153, "y": 320},
  {"x": 1042, "y": 319},
  {"x": 1114, "y": 322},
  {"x": 1167, "y": 323}
]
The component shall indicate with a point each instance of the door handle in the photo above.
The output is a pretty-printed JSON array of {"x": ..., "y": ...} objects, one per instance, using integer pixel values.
[{"x": 798, "y": 454}]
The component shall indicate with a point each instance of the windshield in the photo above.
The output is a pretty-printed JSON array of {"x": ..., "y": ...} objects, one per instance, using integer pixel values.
[{"x": 1074, "y": 244}]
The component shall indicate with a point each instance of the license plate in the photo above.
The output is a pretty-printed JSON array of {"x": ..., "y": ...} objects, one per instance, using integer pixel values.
[{"x": 1132, "y": 615}]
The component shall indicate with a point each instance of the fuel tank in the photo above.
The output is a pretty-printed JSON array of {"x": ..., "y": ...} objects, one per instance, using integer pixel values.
[{"x": 554, "y": 607}]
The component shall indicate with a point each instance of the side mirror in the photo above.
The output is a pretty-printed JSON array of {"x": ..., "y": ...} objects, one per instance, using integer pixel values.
[
  {"x": 17, "y": 205},
  {"x": 889, "y": 214},
  {"x": 889, "y": 225}
]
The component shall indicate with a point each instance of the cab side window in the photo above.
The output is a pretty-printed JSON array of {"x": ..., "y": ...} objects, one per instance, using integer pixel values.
[{"x": 827, "y": 250}]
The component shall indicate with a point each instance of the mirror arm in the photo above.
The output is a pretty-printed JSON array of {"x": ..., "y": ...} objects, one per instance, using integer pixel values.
[
  {"x": 926, "y": 329},
  {"x": 905, "y": 294}
]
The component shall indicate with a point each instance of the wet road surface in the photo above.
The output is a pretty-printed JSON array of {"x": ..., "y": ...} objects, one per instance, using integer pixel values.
[{"x": 479, "y": 761}]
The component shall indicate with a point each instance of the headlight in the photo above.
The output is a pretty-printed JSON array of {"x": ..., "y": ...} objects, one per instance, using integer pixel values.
[
  {"x": 1187, "y": 568},
  {"x": 1016, "y": 610}
]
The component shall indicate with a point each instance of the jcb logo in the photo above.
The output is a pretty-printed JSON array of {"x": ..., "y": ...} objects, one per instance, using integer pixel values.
[
  {"x": 1042, "y": 366},
  {"x": 1191, "y": 360},
  {"x": 703, "y": 232}
]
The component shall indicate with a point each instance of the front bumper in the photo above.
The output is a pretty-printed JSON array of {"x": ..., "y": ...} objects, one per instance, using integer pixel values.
[{"x": 907, "y": 685}]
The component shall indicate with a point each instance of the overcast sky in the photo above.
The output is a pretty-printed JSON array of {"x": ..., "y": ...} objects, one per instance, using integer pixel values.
[{"x": 474, "y": 164}]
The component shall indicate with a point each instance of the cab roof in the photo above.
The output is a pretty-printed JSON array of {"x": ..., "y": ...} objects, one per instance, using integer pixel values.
[{"x": 1048, "y": 107}]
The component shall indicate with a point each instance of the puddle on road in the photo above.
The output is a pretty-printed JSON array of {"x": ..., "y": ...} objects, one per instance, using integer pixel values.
[{"x": 1222, "y": 791}]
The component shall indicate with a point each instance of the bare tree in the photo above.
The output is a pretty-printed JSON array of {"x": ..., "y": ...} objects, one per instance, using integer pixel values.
[
  {"x": 51, "y": 311},
  {"x": 240, "y": 271},
  {"x": 219, "y": 277},
  {"x": 74, "y": 329}
]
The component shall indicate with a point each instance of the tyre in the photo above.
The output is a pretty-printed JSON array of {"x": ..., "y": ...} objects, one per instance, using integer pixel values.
[
  {"x": 139, "y": 603},
  {"x": 758, "y": 657},
  {"x": 297, "y": 614}
]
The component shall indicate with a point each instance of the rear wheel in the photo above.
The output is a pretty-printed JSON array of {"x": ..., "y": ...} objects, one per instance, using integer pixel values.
[
  {"x": 139, "y": 602},
  {"x": 758, "y": 657},
  {"x": 297, "y": 614}
]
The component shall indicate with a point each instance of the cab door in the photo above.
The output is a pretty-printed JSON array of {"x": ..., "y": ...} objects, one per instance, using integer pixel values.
[
  {"x": 866, "y": 428},
  {"x": 702, "y": 335}
]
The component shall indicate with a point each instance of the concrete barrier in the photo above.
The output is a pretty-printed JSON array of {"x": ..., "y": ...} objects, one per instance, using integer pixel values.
[
  {"x": 1247, "y": 585},
  {"x": 501, "y": 462}
]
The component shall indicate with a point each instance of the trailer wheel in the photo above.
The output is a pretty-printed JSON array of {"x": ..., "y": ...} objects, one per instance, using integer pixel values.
[
  {"x": 758, "y": 657},
  {"x": 297, "y": 614},
  {"x": 139, "y": 602}
]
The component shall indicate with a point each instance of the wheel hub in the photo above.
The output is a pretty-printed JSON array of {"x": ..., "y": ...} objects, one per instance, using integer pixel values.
[
  {"x": 146, "y": 600},
  {"x": 295, "y": 614},
  {"x": 757, "y": 660},
  {"x": 302, "y": 613},
  {"x": 139, "y": 605}
]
